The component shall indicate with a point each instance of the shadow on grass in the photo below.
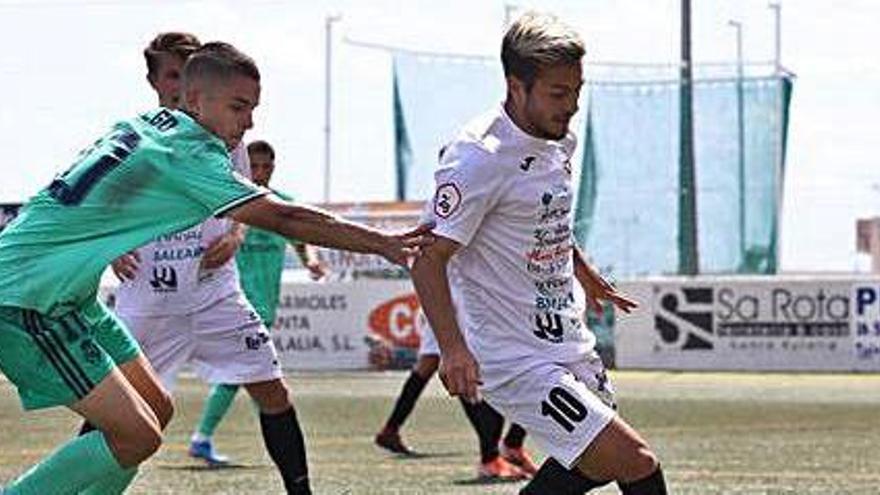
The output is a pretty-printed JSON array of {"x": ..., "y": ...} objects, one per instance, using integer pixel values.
[
  {"x": 415, "y": 456},
  {"x": 207, "y": 467},
  {"x": 486, "y": 481}
]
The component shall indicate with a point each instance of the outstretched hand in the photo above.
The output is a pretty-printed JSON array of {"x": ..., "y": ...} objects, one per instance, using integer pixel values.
[{"x": 401, "y": 249}]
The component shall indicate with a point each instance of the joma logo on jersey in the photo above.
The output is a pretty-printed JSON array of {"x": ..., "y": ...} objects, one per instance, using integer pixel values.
[
  {"x": 526, "y": 163},
  {"x": 685, "y": 319},
  {"x": 164, "y": 279}
]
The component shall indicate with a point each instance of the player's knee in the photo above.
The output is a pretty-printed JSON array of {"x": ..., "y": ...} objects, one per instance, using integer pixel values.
[
  {"x": 644, "y": 462},
  {"x": 272, "y": 397},
  {"x": 135, "y": 445},
  {"x": 164, "y": 409}
]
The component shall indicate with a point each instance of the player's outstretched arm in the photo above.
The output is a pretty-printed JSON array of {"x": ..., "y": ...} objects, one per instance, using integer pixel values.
[
  {"x": 458, "y": 368},
  {"x": 315, "y": 226}
]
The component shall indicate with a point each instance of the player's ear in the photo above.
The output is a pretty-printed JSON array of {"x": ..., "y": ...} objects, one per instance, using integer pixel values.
[
  {"x": 516, "y": 88},
  {"x": 191, "y": 99},
  {"x": 151, "y": 78}
]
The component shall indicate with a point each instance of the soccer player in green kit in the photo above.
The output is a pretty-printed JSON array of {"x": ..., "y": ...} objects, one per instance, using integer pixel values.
[
  {"x": 260, "y": 261},
  {"x": 159, "y": 172}
]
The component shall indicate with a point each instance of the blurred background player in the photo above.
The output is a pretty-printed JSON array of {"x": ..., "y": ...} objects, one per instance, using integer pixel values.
[
  {"x": 260, "y": 261},
  {"x": 511, "y": 462}
]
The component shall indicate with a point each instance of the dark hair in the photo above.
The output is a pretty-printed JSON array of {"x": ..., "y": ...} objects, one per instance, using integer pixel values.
[
  {"x": 535, "y": 41},
  {"x": 261, "y": 146},
  {"x": 173, "y": 43},
  {"x": 218, "y": 61}
]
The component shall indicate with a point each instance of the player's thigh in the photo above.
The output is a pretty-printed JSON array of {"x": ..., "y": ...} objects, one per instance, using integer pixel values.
[
  {"x": 51, "y": 360},
  {"x": 232, "y": 346},
  {"x": 143, "y": 378},
  {"x": 558, "y": 410},
  {"x": 123, "y": 416},
  {"x": 617, "y": 453}
]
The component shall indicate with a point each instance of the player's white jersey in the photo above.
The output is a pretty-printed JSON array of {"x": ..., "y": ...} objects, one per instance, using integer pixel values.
[
  {"x": 169, "y": 280},
  {"x": 506, "y": 197}
]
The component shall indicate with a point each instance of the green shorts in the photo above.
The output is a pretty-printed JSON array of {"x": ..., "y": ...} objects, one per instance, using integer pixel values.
[{"x": 57, "y": 361}]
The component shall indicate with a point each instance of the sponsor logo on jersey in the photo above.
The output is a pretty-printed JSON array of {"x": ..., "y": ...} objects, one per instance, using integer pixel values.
[
  {"x": 526, "y": 163},
  {"x": 397, "y": 321},
  {"x": 254, "y": 342},
  {"x": 685, "y": 318},
  {"x": 164, "y": 279},
  {"x": 447, "y": 200}
]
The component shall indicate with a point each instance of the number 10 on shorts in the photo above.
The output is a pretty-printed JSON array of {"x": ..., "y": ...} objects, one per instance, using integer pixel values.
[{"x": 564, "y": 408}]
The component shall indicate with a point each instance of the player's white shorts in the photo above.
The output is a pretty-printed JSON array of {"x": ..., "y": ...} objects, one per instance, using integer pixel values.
[
  {"x": 225, "y": 343},
  {"x": 427, "y": 342},
  {"x": 562, "y": 406}
]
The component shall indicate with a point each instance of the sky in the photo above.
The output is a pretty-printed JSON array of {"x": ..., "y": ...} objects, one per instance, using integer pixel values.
[{"x": 69, "y": 69}]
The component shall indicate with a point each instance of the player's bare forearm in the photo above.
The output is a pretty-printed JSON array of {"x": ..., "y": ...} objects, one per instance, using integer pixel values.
[
  {"x": 311, "y": 225},
  {"x": 459, "y": 370},
  {"x": 432, "y": 286}
]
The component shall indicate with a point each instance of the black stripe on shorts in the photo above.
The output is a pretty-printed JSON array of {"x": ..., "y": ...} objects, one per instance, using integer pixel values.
[{"x": 30, "y": 321}]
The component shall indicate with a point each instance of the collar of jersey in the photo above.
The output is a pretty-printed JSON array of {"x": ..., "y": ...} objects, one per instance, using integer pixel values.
[{"x": 199, "y": 129}]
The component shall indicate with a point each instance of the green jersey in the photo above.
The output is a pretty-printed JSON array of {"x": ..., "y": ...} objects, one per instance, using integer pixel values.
[
  {"x": 158, "y": 173},
  {"x": 260, "y": 262}
]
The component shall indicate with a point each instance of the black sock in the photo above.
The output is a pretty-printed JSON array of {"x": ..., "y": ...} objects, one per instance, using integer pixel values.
[
  {"x": 488, "y": 424},
  {"x": 554, "y": 479},
  {"x": 284, "y": 441},
  {"x": 412, "y": 389},
  {"x": 515, "y": 437},
  {"x": 653, "y": 484},
  {"x": 86, "y": 428}
]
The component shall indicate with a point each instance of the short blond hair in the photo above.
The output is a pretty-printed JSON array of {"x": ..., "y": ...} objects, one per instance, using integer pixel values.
[{"x": 537, "y": 40}]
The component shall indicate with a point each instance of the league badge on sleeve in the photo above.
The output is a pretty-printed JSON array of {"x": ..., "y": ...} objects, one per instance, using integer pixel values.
[{"x": 446, "y": 200}]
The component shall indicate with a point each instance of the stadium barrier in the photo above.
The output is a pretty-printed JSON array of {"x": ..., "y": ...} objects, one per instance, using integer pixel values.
[
  {"x": 791, "y": 323},
  {"x": 342, "y": 325}
]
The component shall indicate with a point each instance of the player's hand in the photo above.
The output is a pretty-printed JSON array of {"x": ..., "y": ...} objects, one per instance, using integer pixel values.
[
  {"x": 601, "y": 290},
  {"x": 126, "y": 266},
  {"x": 221, "y": 250},
  {"x": 460, "y": 374},
  {"x": 317, "y": 271},
  {"x": 401, "y": 249}
]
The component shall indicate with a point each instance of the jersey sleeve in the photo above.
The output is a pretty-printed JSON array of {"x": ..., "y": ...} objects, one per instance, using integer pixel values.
[
  {"x": 209, "y": 179},
  {"x": 467, "y": 187}
]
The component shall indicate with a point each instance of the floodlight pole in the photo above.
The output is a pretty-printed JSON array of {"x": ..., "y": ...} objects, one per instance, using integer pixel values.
[
  {"x": 328, "y": 64},
  {"x": 688, "y": 252},
  {"x": 779, "y": 157}
]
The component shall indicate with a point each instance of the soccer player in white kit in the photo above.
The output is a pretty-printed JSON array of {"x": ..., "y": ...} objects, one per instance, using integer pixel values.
[{"x": 503, "y": 206}]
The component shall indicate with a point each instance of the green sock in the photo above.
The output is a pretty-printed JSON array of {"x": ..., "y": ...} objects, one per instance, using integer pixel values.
[
  {"x": 114, "y": 484},
  {"x": 75, "y": 466},
  {"x": 216, "y": 405}
]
